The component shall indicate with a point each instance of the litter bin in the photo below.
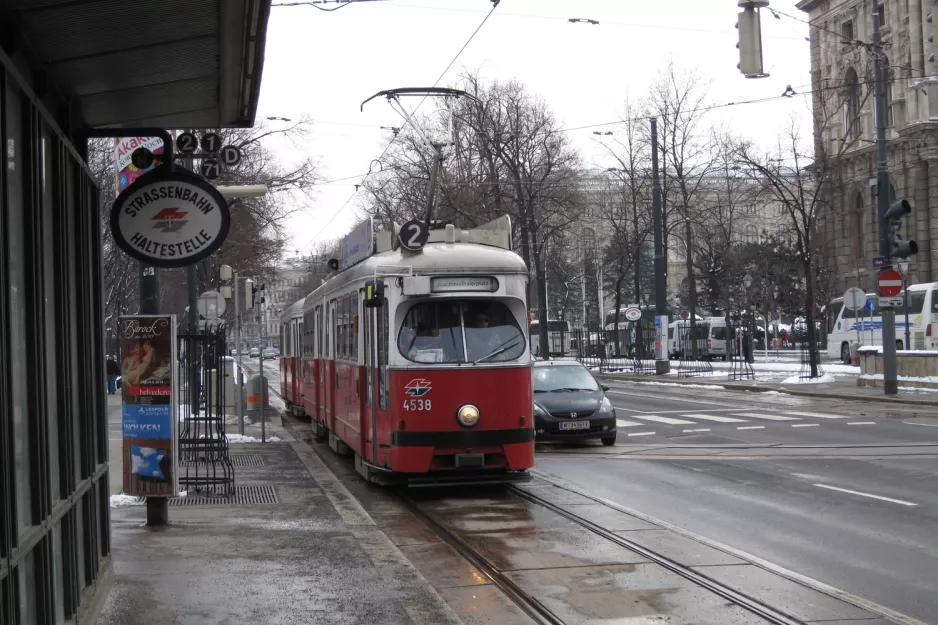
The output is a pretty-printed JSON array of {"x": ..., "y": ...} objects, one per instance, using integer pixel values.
[
  {"x": 854, "y": 354},
  {"x": 256, "y": 389}
]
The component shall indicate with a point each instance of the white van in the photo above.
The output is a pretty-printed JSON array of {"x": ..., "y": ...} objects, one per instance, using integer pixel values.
[
  {"x": 681, "y": 329},
  {"x": 716, "y": 337}
]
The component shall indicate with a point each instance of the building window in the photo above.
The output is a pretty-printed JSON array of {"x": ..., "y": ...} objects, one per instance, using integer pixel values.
[
  {"x": 589, "y": 242},
  {"x": 846, "y": 31},
  {"x": 888, "y": 78},
  {"x": 751, "y": 234},
  {"x": 854, "y": 227},
  {"x": 881, "y": 14},
  {"x": 851, "y": 105}
]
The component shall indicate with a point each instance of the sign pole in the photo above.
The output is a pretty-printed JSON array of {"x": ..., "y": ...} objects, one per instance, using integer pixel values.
[{"x": 240, "y": 373}]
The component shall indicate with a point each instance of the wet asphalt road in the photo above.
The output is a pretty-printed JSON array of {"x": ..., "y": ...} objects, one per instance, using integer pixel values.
[{"x": 845, "y": 493}]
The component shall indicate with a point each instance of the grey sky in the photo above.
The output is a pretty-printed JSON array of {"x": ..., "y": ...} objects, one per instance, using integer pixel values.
[{"x": 323, "y": 65}]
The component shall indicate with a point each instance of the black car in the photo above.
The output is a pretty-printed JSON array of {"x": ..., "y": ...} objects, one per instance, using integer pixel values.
[{"x": 569, "y": 405}]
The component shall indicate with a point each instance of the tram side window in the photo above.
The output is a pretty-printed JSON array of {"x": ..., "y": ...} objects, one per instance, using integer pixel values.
[
  {"x": 328, "y": 330},
  {"x": 353, "y": 326},
  {"x": 340, "y": 327},
  {"x": 456, "y": 331}
]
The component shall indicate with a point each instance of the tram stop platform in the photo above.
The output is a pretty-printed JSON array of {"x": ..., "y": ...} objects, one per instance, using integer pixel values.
[{"x": 294, "y": 547}]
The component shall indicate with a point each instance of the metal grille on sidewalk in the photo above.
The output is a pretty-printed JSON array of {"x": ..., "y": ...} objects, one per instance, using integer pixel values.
[
  {"x": 694, "y": 355},
  {"x": 203, "y": 447},
  {"x": 612, "y": 351},
  {"x": 739, "y": 346}
]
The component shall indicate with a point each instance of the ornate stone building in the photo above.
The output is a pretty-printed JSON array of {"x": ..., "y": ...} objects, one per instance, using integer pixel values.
[{"x": 842, "y": 79}]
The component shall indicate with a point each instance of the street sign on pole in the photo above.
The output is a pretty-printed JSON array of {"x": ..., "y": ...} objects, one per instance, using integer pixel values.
[
  {"x": 685, "y": 315},
  {"x": 633, "y": 314},
  {"x": 889, "y": 283},
  {"x": 891, "y": 302},
  {"x": 854, "y": 298},
  {"x": 880, "y": 261}
]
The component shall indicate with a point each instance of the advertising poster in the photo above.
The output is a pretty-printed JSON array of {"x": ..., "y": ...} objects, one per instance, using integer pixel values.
[
  {"x": 124, "y": 149},
  {"x": 148, "y": 346}
]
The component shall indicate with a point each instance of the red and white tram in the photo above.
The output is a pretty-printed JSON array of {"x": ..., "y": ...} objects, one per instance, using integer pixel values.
[
  {"x": 291, "y": 363},
  {"x": 417, "y": 360}
]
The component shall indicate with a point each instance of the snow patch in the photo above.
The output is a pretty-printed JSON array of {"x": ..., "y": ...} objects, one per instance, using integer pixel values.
[
  {"x": 824, "y": 379},
  {"x": 123, "y": 501},
  {"x": 704, "y": 386},
  {"x": 931, "y": 379},
  {"x": 240, "y": 438}
]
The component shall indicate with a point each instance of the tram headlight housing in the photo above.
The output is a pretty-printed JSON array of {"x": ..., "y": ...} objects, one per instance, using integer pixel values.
[{"x": 468, "y": 415}]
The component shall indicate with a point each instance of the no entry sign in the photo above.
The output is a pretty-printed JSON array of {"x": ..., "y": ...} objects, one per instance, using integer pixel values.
[{"x": 890, "y": 283}]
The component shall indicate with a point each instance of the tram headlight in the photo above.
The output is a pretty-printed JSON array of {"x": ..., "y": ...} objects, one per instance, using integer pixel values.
[{"x": 468, "y": 415}]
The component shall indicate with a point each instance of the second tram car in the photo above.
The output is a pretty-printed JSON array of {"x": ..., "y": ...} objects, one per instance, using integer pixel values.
[
  {"x": 418, "y": 361},
  {"x": 291, "y": 363}
]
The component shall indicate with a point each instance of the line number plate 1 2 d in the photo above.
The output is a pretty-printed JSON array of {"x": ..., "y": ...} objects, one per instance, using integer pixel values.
[{"x": 574, "y": 425}]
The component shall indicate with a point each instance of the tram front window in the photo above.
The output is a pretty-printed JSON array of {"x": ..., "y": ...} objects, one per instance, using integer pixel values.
[{"x": 460, "y": 331}]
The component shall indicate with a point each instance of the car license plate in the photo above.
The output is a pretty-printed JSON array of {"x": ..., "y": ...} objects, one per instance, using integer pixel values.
[{"x": 574, "y": 425}]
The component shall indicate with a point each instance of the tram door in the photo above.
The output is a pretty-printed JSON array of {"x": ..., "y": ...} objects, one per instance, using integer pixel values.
[
  {"x": 329, "y": 375},
  {"x": 369, "y": 412}
]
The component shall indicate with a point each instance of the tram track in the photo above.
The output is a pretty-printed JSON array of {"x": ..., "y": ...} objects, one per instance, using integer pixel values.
[{"x": 540, "y": 612}]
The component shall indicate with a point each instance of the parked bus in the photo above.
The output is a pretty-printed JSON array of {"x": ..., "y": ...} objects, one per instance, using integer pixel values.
[
  {"x": 558, "y": 337},
  {"x": 845, "y": 326}
]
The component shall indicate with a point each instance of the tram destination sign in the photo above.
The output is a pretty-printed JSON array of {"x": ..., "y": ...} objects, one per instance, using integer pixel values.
[
  {"x": 481, "y": 284},
  {"x": 170, "y": 219}
]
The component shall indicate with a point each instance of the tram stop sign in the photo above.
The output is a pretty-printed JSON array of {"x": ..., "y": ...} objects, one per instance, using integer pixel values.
[{"x": 889, "y": 283}]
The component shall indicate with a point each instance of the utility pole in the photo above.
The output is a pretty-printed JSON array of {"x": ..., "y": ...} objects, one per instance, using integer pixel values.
[
  {"x": 662, "y": 366},
  {"x": 890, "y": 382}
]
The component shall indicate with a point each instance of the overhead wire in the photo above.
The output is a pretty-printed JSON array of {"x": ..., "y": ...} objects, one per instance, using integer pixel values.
[{"x": 387, "y": 147}]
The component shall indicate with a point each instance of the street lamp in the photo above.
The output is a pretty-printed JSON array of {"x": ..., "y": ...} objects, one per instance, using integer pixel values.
[
  {"x": 904, "y": 268},
  {"x": 747, "y": 282}
]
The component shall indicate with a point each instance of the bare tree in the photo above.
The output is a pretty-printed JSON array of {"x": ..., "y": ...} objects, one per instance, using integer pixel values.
[{"x": 678, "y": 99}]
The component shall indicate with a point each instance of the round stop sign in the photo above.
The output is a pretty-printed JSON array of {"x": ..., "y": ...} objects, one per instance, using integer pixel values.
[{"x": 889, "y": 283}]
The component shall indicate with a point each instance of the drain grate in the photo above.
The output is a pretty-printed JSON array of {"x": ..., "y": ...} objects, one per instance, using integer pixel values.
[
  {"x": 243, "y": 496},
  {"x": 237, "y": 460}
]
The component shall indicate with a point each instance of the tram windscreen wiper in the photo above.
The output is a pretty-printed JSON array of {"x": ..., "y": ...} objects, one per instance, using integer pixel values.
[{"x": 513, "y": 342}]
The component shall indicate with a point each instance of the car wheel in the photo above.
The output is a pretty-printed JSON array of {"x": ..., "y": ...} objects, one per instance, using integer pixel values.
[
  {"x": 609, "y": 441},
  {"x": 845, "y": 353}
]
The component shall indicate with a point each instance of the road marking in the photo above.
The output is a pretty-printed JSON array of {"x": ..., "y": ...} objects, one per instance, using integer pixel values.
[
  {"x": 642, "y": 434},
  {"x": 818, "y": 415},
  {"x": 862, "y": 423},
  {"x": 856, "y": 492},
  {"x": 750, "y": 427},
  {"x": 708, "y": 417},
  {"x": 927, "y": 425},
  {"x": 769, "y": 417},
  {"x": 622, "y": 423},
  {"x": 657, "y": 419},
  {"x": 805, "y": 425},
  {"x": 700, "y": 430},
  {"x": 670, "y": 399}
]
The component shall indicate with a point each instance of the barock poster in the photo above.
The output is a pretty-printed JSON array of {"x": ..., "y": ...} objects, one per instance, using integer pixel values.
[{"x": 148, "y": 347}]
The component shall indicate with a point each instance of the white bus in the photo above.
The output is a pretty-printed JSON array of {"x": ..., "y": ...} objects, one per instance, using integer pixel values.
[
  {"x": 845, "y": 326},
  {"x": 558, "y": 337}
]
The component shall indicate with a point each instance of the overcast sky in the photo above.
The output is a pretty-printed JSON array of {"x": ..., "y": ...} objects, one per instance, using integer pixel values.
[{"x": 323, "y": 65}]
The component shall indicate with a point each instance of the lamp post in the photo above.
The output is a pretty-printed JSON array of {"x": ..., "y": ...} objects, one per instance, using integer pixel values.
[{"x": 904, "y": 268}]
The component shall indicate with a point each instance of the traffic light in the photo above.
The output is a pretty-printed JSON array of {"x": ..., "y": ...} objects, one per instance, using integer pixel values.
[
  {"x": 249, "y": 290},
  {"x": 898, "y": 248},
  {"x": 750, "y": 38}
]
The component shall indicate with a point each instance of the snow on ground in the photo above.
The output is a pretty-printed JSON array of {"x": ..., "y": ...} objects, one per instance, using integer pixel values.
[
  {"x": 824, "y": 379},
  {"x": 702, "y": 386},
  {"x": 122, "y": 501},
  {"x": 902, "y": 378},
  {"x": 240, "y": 438}
]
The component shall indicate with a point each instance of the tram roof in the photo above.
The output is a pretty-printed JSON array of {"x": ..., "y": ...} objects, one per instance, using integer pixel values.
[
  {"x": 435, "y": 259},
  {"x": 294, "y": 310}
]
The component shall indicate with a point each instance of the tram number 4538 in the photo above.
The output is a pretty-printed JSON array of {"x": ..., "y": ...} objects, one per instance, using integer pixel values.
[{"x": 416, "y": 404}]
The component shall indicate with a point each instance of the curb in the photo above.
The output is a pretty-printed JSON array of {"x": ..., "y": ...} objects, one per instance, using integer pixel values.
[{"x": 765, "y": 389}]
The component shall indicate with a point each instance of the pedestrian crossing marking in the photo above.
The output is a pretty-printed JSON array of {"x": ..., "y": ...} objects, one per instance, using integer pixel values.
[
  {"x": 657, "y": 419},
  {"x": 806, "y": 425},
  {"x": 769, "y": 417},
  {"x": 817, "y": 415},
  {"x": 707, "y": 417},
  {"x": 622, "y": 423}
]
